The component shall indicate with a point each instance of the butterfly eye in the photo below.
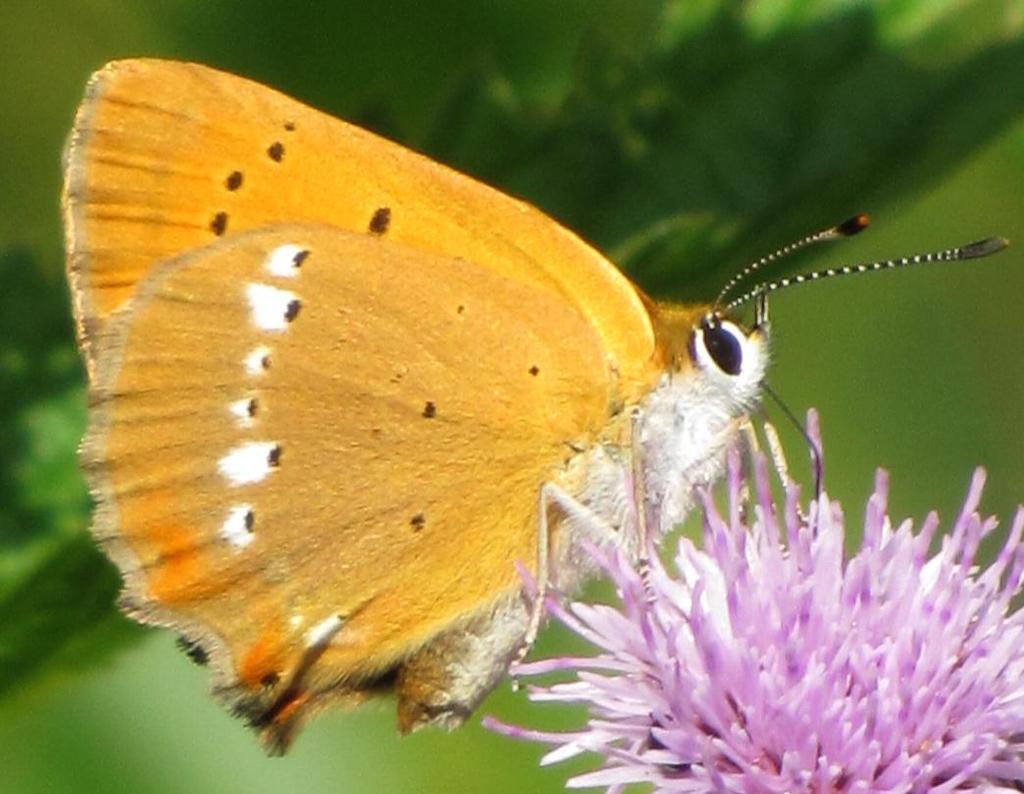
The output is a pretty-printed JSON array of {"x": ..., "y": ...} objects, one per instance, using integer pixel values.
[{"x": 723, "y": 342}]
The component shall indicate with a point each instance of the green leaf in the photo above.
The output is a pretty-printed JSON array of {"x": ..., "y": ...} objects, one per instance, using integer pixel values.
[
  {"x": 61, "y": 614},
  {"x": 56, "y": 588}
]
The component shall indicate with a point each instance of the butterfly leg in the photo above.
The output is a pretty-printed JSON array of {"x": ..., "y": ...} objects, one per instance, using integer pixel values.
[
  {"x": 580, "y": 520},
  {"x": 639, "y": 493}
]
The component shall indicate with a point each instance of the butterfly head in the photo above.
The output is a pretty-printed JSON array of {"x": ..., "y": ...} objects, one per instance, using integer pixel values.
[
  {"x": 712, "y": 359},
  {"x": 731, "y": 359}
]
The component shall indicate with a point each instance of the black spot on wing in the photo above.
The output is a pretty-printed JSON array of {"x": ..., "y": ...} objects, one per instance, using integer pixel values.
[
  {"x": 417, "y": 522},
  {"x": 429, "y": 410},
  {"x": 196, "y": 652},
  {"x": 380, "y": 221},
  {"x": 219, "y": 223},
  {"x": 276, "y": 151},
  {"x": 293, "y": 309},
  {"x": 234, "y": 180}
]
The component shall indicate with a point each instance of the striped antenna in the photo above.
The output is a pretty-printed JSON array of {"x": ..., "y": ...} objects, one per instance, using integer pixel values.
[
  {"x": 976, "y": 250},
  {"x": 847, "y": 228}
]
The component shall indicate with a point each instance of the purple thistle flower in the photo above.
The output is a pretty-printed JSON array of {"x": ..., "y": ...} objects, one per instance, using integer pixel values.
[{"x": 769, "y": 661}]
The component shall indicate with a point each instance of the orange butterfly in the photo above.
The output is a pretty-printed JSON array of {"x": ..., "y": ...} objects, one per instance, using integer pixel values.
[{"x": 339, "y": 390}]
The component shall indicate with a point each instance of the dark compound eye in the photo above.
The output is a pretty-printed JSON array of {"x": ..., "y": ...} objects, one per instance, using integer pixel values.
[{"x": 723, "y": 345}]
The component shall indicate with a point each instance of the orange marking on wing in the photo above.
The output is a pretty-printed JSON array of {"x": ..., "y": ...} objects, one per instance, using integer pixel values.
[
  {"x": 172, "y": 550},
  {"x": 267, "y": 656},
  {"x": 168, "y": 547},
  {"x": 290, "y": 707},
  {"x": 181, "y": 574}
]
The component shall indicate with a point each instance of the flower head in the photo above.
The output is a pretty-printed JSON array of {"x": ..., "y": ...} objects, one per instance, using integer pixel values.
[{"x": 770, "y": 661}]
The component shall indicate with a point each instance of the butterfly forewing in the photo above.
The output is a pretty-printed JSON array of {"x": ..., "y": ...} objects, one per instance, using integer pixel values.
[
  {"x": 167, "y": 157},
  {"x": 298, "y": 425}
]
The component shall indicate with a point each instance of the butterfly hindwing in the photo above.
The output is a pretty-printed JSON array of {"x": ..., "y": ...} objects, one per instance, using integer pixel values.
[{"x": 304, "y": 435}]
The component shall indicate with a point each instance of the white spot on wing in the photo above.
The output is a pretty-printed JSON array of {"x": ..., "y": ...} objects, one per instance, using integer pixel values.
[
  {"x": 285, "y": 260},
  {"x": 269, "y": 306},
  {"x": 255, "y": 361},
  {"x": 240, "y": 408},
  {"x": 322, "y": 632},
  {"x": 247, "y": 463},
  {"x": 234, "y": 529}
]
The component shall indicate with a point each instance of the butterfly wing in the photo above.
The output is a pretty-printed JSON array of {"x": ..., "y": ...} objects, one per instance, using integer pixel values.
[
  {"x": 166, "y": 157},
  {"x": 313, "y": 450}
]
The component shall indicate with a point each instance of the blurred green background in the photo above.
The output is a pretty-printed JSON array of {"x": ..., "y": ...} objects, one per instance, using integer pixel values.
[{"x": 684, "y": 138}]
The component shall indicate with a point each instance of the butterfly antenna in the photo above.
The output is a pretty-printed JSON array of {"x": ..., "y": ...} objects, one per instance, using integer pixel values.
[
  {"x": 847, "y": 228},
  {"x": 976, "y": 250},
  {"x": 816, "y": 461}
]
